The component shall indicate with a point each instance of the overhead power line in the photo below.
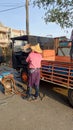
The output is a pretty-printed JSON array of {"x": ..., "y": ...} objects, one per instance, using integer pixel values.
[
  {"x": 11, "y": 8},
  {"x": 10, "y": 4}
]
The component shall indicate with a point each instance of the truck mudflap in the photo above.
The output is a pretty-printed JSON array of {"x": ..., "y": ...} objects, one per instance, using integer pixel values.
[
  {"x": 70, "y": 96},
  {"x": 59, "y": 73}
]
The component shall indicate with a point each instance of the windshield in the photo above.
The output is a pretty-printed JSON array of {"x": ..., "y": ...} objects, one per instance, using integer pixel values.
[{"x": 18, "y": 45}]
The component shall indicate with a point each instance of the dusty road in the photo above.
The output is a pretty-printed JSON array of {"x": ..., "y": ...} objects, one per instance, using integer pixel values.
[{"x": 52, "y": 113}]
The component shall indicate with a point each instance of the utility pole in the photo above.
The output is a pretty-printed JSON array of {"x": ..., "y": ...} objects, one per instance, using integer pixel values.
[{"x": 27, "y": 18}]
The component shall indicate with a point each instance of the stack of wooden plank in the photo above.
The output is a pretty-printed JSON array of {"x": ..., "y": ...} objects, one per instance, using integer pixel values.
[{"x": 63, "y": 58}]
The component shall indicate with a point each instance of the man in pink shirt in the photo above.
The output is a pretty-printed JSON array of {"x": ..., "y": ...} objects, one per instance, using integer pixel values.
[{"x": 34, "y": 62}]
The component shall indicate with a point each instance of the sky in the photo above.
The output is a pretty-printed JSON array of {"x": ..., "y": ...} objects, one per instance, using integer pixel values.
[{"x": 16, "y": 19}]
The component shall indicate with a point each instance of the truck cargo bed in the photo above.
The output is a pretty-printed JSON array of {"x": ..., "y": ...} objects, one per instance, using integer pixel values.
[{"x": 58, "y": 72}]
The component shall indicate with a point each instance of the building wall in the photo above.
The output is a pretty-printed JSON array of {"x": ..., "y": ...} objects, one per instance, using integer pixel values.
[
  {"x": 6, "y": 33},
  {"x": 3, "y": 36}
]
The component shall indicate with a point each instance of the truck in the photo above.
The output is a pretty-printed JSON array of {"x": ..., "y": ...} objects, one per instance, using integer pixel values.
[
  {"x": 19, "y": 56},
  {"x": 58, "y": 71}
]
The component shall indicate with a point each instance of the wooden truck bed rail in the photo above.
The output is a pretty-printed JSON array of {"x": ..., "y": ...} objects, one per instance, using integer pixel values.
[{"x": 60, "y": 73}]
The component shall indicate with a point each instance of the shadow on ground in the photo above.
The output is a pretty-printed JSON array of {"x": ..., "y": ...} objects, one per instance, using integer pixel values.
[{"x": 46, "y": 90}]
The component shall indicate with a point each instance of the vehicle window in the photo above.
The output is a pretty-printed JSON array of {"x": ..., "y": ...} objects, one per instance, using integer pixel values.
[{"x": 18, "y": 45}]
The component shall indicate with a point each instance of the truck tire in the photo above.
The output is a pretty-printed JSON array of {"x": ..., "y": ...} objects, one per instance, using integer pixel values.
[
  {"x": 70, "y": 96},
  {"x": 24, "y": 76}
]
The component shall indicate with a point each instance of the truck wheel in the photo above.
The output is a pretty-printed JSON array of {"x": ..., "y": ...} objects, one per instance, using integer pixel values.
[
  {"x": 24, "y": 76},
  {"x": 70, "y": 96}
]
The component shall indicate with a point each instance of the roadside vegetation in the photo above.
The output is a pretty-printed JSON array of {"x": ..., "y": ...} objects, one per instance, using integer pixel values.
[{"x": 57, "y": 11}]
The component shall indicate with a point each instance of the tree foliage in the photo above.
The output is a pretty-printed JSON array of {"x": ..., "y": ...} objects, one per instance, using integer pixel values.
[{"x": 58, "y": 11}]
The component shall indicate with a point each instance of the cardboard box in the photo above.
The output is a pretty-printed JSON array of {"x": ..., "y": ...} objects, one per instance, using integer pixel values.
[{"x": 48, "y": 55}]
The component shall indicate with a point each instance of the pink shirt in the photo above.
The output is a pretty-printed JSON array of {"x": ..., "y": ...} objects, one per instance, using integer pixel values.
[{"x": 34, "y": 60}]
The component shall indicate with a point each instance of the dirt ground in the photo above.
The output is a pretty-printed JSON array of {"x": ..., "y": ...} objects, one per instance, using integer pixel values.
[{"x": 52, "y": 113}]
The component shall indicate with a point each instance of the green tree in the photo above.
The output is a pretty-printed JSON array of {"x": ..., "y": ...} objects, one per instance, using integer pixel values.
[{"x": 58, "y": 11}]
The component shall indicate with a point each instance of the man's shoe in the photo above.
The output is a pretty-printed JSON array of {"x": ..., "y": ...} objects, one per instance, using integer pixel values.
[
  {"x": 30, "y": 98},
  {"x": 37, "y": 98}
]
